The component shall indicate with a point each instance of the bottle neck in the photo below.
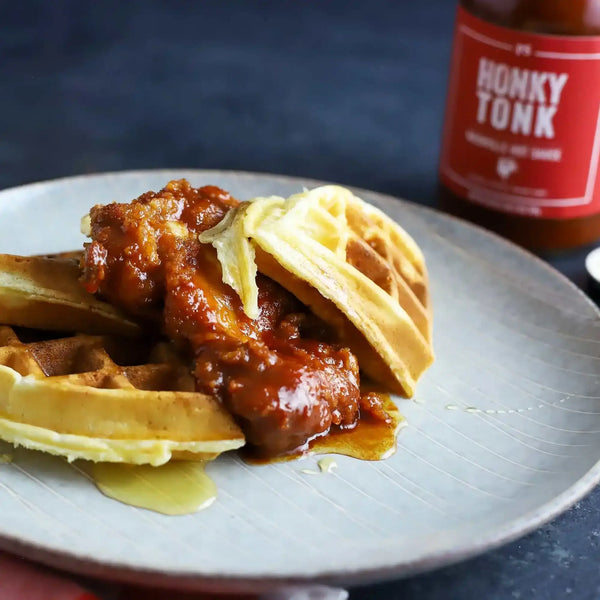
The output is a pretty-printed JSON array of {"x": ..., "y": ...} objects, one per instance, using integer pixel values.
[{"x": 555, "y": 17}]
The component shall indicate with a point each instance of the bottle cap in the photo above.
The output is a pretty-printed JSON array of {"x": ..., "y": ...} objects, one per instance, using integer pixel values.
[{"x": 592, "y": 266}]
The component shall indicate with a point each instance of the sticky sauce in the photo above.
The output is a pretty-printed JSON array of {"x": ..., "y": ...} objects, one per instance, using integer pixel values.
[
  {"x": 176, "y": 488},
  {"x": 182, "y": 487},
  {"x": 371, "y": 439}
]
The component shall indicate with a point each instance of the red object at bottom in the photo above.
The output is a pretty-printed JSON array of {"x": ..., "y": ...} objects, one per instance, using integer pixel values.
[{"x": 22, "y": 580}]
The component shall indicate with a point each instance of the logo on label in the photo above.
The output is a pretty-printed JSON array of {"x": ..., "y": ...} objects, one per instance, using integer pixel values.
[{"x": 506, "y": 167}]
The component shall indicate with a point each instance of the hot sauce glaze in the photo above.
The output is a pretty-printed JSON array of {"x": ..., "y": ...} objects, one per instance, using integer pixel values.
[
  {"x": 281, "y": 375},
  {"x": 371, "y": 438}
]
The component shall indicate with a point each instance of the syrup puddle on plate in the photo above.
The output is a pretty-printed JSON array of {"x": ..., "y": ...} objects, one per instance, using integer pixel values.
[
  {"x": 182, "y": 487},
  {"x": 371, "y": 439},
  {"x": 175, "y": 488}
]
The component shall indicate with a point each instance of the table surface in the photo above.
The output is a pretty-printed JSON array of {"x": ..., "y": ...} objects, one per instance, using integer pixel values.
[{"x": 344, "y": 91}]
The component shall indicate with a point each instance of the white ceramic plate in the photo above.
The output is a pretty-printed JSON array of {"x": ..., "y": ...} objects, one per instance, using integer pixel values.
[{"x": 504, "y": 432}]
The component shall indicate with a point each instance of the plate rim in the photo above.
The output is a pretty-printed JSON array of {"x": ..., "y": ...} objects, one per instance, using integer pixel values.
[{"x": 427, "y": 561}]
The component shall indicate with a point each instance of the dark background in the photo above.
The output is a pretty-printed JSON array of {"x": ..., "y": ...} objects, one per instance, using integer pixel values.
[{"x": 344, "y": 91}]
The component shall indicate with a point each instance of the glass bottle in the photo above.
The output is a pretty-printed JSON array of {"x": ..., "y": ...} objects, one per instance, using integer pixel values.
[{"x": 521, "y": 141}]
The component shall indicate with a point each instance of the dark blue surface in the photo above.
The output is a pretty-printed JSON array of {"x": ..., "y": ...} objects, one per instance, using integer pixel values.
[{"x": 351, "y": 92}]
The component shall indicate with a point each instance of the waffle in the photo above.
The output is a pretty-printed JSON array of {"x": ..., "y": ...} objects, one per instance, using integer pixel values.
[
  {"x": 105, "y": 398},
  {"x": 44, "y": 292},
  {"x": 98, "y": 397},
  {"x": 351, "y": 264}
]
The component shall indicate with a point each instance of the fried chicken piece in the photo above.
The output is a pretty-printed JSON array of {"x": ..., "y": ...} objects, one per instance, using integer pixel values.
[
  {"x": 125, "y": 259},
  {"x": 282, "y": 387}
]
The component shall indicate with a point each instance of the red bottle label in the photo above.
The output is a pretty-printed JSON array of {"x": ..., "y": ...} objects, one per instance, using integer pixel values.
[{"x": 522, "y": 128}]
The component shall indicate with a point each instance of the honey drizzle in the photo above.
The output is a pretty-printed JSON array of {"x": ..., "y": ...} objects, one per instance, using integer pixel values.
[{"x": 176, "y": 488}]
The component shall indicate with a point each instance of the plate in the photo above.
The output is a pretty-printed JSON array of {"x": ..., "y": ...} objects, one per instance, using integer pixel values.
[{"x": 503, "y": 434}]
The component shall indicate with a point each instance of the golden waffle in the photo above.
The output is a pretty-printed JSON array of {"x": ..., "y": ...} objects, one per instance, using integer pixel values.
[
  {"x": 44, "y": 293},
  {"x": 104, "y": 398},
  {"x": 351, "y": 264}
]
